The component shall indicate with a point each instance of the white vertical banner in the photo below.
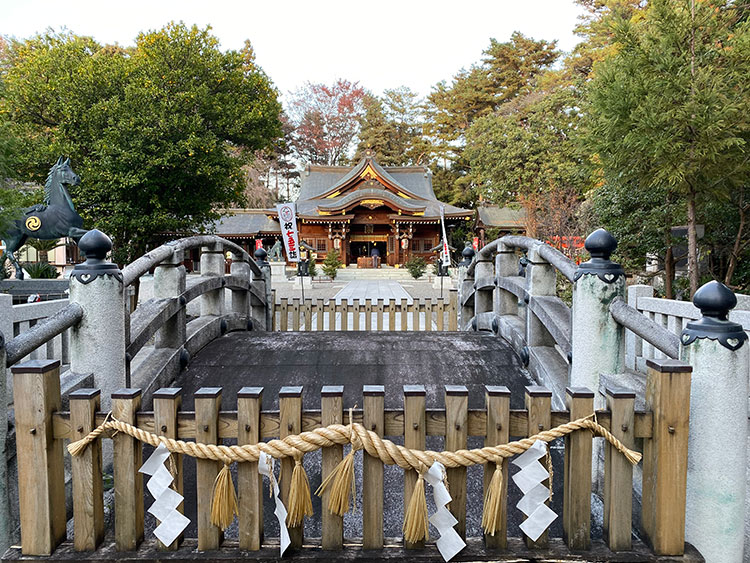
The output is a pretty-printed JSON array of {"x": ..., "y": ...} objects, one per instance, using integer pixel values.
[
  {"x": 288, "y": 223},
  {"x": 445, "y": 254}
]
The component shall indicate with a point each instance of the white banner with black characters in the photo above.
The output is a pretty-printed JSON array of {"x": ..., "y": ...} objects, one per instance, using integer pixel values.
[{"x": 288, "y": 223}]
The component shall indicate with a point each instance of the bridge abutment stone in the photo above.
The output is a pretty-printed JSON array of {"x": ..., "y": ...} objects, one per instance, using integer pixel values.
[
  {"x": 719, "y": 353},
  {"x": 170, "y": 282},
  {"x": 212, "y": 264},
  {"x": 598, "y": 341},
  {"x": 98, "y": 342},
  {"x": 465, "y": 287}
]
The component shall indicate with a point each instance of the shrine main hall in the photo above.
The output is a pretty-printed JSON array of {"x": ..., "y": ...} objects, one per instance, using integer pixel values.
[{"x": 356, "y": 209}]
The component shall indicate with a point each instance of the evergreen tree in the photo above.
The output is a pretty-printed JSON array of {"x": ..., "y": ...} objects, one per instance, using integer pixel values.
[{"x": 671, "y": 110}]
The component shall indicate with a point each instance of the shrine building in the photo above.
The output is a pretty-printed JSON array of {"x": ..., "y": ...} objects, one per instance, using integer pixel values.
[{"x": 356, "y": 209}]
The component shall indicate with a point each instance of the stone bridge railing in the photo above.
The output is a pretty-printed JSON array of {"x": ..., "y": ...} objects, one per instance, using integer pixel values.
[
  {"x": 584, "y": 346},
  {"x": 109, "y": 347}
]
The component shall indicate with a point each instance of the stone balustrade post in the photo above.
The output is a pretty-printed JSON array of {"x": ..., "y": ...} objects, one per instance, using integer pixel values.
[
  {"x": 541, "y": 280},
  {"x": 240, "y": 297},
  {"x": 719, "y": 353},
  {"x": 169, "y": 282},
  {"x": 213, "y": 264},
  {"x": 506, "y": 265},
  {"x": 634, "y": 344},
  {"x": 6, "y": 519},
  {"x": 598, "y": 341},
  {"x": 98, "y": 342},
  {"x": 465, "y": 287},
  {"x": 484, "y": 273},
  {"x": 266, "y": 315}
]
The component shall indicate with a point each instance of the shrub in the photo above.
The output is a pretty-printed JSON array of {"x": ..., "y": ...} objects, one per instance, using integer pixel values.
[
  {"x": 312, "y": 269},
  {"x": 41, "y": 270},
  {"x": 331, "y": 264},
  {"x": 416, "y": 266}
]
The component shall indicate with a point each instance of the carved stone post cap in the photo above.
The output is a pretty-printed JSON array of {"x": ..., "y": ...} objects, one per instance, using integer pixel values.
[
  {"x": 260, "y": 254},
  {"x": 600, "y": 244},
  {"x": 95, "y": 244},
  {"x": 715, "y": 300},
  {"x": 468, "y": 254}
]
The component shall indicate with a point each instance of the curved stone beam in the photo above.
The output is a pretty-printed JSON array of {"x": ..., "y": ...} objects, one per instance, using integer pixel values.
[
  {"x": 42, "y": 332},
  {"x": 651, "y": 332}
]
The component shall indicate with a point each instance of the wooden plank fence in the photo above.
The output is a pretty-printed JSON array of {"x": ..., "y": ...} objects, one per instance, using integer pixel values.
[
  {"x": 426, "y": 314},
  {"x": 43, "y": 428}
]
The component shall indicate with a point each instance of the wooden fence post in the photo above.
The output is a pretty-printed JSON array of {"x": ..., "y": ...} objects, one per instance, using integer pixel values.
[
  {"x": 290, "y": 422},
  {"x": 88, "y": 502},
  {"x": 331, "y": 405},
  {"x": 414, "y": 438},
  {"x": 41, "y": 485},
  {"x": 539, "y": 404},
  {"x": 372, "y": 470},
  {"x": 403, "y": 316},
  {"x": 128, "y": 458},
  {"x": 284, "y": 312},
  {"x": 167, "y": 403},
  {"x": 456, "y": 434},
  {"x": 207, "y": 405},
  {"x": 577, "y": 473},
  {"x": 498, "y": 432},
  {"x": 618, "y": 472},
  {"x": 665, "y": 456},
  {"x": 249, "y": 481}
]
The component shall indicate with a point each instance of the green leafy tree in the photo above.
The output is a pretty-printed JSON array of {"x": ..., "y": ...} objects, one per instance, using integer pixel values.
[
  {"x": 671, "y": 110},
  {"x": 528, "y": 152},
  {"x": 158, "y": 132},
  {"x": 392, "y": 127},
  {"x": 416, "y": 266}
]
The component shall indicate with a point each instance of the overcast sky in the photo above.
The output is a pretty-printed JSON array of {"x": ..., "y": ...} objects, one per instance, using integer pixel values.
[{"x": 381, "y": 43}]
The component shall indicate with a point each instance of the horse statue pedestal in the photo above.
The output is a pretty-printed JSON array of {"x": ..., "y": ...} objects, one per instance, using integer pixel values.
[{"x": 278, "y": 271}]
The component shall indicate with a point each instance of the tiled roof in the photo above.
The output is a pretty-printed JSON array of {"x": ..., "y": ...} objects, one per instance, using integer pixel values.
[{"x": 503, "y": 217}]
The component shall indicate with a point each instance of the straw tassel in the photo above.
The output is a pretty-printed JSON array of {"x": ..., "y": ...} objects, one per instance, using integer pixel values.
[
  {"x": 300, "y": 503},
  {"x": 493, "y": 502},
  {"x": 224, "y": 503},
  {"x": 415, "y": 521},
  {"x": 342, "y": 478}
]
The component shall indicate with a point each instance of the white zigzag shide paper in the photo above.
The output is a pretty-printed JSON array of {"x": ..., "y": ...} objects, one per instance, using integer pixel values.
[
  {"x": 535, "y": 494},
  {"x": 265, "y": 467},
  {"x": 166, "y": 500},
  {"x": 449, "y": 543}
]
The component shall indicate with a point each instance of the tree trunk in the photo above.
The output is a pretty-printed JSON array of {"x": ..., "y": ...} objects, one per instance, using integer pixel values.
[
  {"x": 669, "y": 273},
  {"x": 738, "y": 244},
  {"x": 692, "y": 243}
]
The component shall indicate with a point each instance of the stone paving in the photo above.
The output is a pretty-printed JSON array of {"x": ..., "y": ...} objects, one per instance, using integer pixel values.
[{"x": 362, "y": 290}]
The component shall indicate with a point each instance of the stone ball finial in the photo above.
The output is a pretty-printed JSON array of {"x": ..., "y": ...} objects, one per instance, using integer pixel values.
[
  {"x": 260, "y": 254},
  {"x": 95, "y": 244},
  {"x": 601, "y": 244},
  {"x": 714, "y": 299},
  {"x": 468, "y": 252}
]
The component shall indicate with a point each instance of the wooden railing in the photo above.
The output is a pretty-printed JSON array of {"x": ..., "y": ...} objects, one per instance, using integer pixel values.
[
  {"x": 432, "y": 314},
  {"x": 42, "y": 430}
]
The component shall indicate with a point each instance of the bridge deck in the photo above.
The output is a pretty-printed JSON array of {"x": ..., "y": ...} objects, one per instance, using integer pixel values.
[{"x": 353, "y": 359}]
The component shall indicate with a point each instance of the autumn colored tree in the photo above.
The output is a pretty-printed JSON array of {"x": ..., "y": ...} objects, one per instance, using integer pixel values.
[{"x": 326, "y": 121}]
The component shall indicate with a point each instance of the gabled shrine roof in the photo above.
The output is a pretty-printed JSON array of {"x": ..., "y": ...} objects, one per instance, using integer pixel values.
[{"x": 334, "y": 187}]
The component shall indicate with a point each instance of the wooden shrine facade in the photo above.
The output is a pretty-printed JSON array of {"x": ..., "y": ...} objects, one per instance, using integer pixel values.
[{"x": 355, "y": 209}]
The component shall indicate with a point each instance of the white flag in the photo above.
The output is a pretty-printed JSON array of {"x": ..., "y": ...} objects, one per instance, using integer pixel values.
[{"x": 288, "y": 223}]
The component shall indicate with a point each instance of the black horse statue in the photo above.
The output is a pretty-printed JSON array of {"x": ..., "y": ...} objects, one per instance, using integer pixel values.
[{"x": 54, "y": 219}]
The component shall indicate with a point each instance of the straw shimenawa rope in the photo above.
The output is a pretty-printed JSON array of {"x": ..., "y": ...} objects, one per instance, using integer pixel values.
[{"x": 296, "y": 445}]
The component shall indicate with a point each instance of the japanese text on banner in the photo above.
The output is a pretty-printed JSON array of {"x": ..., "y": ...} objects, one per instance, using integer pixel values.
[{"x": 288, "y": 223}]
